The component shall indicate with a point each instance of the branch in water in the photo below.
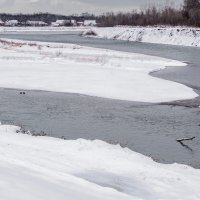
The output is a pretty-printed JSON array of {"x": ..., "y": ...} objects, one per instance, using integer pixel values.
[{"x": 185, "y": 139}]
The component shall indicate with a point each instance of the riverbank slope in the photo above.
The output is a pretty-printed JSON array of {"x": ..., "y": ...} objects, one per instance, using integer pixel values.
[
  {"x": 185, "y": 36},
  {"x": 49, "y": 168}
]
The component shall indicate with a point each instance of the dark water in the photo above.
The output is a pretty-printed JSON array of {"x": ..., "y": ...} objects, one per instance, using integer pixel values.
[{"x": 146, "y": 128}]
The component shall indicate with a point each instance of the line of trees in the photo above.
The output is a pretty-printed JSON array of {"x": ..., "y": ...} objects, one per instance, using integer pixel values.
[
  {"x": 45, "y": 17},
  {"x": 188, "y": 15}
]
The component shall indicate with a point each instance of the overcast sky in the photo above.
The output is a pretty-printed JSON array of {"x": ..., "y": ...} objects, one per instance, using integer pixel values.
[{"x": 77, "y": 6}]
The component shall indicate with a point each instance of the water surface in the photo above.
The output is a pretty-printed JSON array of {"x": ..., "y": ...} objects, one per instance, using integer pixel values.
[{"x": 151, "y": 129}]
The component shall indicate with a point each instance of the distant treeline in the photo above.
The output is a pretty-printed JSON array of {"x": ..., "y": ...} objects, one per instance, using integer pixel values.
[
  {"x": 188, "y": 15},
  {"x": 45, "y": 17}
]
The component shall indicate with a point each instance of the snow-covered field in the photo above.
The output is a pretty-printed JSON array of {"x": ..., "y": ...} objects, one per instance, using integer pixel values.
[
  {"x": 184, "y": 36},
  {"x": 40, "y": 168},
  {"x": 38, "y": 29},
  {"x": 84, "y": 70}
]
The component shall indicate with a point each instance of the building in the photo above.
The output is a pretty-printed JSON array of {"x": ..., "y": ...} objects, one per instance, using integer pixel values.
[
  {"x": 54, "y": 24},
  {"x": 73, "y": 22},
  {"x": 36, "y": 23},
  {"x": 11, "y": 23},
  {"x": 80, "y": 23},
  {"x": 90, "y": 23},
  {"x": 61, "y": 23},
  {"x": 1, "y": 23}
]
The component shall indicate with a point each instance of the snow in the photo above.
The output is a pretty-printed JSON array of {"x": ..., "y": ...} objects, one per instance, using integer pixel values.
[
  {"x": 49, "y": 168},
  {"x": 60, "y": 23},
  {"x": 89, "y": 71},
  {"x": 1, "y": 22},
  {"x": 184, "y": 36},
  {"x": 36, "y": 23},
  {"x": 11, "y": 22},
  {"x": 90, "y": 23},
  {"x": 46, "y": 28}
]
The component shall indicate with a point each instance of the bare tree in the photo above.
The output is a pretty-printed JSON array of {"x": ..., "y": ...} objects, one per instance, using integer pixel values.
[{"x": 191, "y": 4}]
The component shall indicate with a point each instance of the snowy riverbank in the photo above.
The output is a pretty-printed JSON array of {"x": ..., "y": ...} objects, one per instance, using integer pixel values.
[
  {"x": 184, "y": 36},
  {"x": 43, "y": 29},
  {"x": 84, "y": 70},
  {"x": 49, "y": 168}
]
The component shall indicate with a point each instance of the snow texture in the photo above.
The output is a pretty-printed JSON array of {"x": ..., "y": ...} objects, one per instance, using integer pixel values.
[
  {"x": 184, "y": 36},
  {"x": 39, "y": 168},
  {"x": 45, "y": 29},
  {"x": 89, "y": 71}
]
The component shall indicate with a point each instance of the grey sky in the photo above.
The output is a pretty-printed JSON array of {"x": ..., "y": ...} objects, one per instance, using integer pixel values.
[{"x": 77, "y": 6}]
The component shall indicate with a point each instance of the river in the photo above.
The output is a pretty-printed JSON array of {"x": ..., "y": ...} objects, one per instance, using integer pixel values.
[{"x": 150, "y": 129}]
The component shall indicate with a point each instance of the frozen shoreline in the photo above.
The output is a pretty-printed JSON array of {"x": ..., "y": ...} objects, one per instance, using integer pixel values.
[
  {"x": 37, "y": 167},
  {"x": 43, "y": 167},
  {"x": 45, "y": 29},
  {"x": 184, "y": 36},
  {"x": 84, "y": 70}
]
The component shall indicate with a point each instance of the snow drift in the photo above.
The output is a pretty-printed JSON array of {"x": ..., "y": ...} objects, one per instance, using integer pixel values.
[
  {"x": 184, "y": 36},
  {"x": 84, "y": 70},
  {"x": 49, "y": 168}
]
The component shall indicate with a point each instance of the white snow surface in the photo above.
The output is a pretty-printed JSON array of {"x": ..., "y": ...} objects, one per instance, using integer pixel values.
[
  {"x": 41, "y": 168},
  {"x": 4, "y": 29},
  {"x": 184, "y": 36},
  {"x": 89, "y": 71}
]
